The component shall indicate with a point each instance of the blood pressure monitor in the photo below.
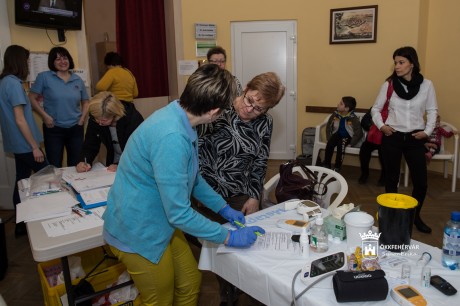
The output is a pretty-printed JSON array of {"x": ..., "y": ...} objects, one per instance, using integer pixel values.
[
  {"x": 406, "y": 295},
  {"x": 322, "y": 266},
  {"x": 310, "y": 208}
]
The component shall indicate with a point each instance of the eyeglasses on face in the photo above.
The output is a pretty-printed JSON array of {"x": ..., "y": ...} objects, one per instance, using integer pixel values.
[
  {"x": 249, "y": 102},
  {"x": 217, "y": 62}
]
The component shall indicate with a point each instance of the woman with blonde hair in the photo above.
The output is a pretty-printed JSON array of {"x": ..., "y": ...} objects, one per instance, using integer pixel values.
[{"x": 111, "y": 122}]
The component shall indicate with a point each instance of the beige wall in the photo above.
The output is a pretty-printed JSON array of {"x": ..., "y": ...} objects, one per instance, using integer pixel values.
[
  {"x": 328, "y": 72},
  {"x": 325, "y": 72}
]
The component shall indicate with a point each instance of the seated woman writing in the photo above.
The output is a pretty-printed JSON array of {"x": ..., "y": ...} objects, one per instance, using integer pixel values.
[{"x": 111, "y": 123}]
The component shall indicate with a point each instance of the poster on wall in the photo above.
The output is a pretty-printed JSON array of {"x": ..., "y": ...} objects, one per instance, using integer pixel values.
[{"x": 202, "y": 47}]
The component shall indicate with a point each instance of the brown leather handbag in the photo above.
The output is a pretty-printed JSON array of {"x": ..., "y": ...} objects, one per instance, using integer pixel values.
[{"x": 294, "y": 186}]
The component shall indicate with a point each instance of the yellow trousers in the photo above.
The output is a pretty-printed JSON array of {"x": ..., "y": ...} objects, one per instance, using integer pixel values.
[{"x": 175, "y": 280}]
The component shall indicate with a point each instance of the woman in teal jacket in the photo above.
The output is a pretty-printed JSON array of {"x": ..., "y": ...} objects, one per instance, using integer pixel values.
[{"x": 148, "y": 207}]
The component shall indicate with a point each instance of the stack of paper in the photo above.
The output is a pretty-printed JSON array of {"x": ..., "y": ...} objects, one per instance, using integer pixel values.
[{"x": 45, "y": 207}]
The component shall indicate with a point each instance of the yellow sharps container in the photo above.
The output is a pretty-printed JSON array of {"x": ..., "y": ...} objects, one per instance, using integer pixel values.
[{"x": 396, "y": 215}]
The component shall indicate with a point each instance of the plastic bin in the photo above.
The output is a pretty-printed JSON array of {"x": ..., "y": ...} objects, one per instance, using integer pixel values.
[{"x": 107, "y": 273}]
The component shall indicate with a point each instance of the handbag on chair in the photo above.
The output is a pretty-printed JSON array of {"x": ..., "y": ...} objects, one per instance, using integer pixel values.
[{"x": 294, "y": 186}]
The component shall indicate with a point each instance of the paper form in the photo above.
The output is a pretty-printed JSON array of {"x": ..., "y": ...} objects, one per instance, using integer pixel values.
[
  {"x": 73, "y": 223},
  {"x": 89, "y": 180},
  {"x": 276, "y": 241},
  {"x": 95, "y": 195},
  {"x": 46, "y": 206}
]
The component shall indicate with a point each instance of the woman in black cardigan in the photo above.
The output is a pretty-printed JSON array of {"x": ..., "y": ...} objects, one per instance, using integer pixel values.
[{"x": 111, "y": 123}]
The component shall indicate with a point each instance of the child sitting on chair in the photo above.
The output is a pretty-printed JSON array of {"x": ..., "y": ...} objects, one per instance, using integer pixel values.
[
  {"x": 343, "y": 128},
  {"x": 433, "y": 144}
]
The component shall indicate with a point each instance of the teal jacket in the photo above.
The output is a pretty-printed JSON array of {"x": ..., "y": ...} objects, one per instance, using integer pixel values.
[{"x": 157, "y": 174}]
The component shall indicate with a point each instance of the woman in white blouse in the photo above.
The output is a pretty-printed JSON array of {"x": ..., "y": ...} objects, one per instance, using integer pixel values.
[{"x": 405, "y": 130}]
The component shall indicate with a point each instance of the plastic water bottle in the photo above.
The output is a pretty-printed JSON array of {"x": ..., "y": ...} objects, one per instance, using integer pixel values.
[
  {"x": 451, "y": 242},
  {"x": 319, "y": 242},
  {"x": 304, "y": 243}
]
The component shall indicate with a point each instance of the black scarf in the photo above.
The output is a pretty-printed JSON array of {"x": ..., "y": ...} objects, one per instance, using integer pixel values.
[{"x": 413, "y": 86}]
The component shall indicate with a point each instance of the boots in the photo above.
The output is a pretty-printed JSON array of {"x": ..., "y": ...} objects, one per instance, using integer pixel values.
[{"x": 419, "y": 224}]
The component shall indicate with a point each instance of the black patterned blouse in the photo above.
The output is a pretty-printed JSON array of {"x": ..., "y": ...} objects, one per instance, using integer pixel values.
[{"x": 233, "y": 153}]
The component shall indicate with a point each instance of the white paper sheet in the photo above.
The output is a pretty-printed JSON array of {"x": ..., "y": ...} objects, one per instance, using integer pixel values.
[
  {"x": 89, "y": 180},
  {"x": 272, "y": 240},
  {"x": 45, "y": 207},
  {"x": 73, "y": 223}
]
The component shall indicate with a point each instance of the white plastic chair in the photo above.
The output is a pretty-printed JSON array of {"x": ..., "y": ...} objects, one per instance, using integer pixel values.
[
  {"x": 321, "y": 141},
  {"x": 337, "y": 185},
  {"x": 445, "y": 156}
]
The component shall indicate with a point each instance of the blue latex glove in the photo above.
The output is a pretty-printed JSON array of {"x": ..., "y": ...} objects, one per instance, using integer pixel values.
[
  {"x": 232, "y": 215},
  {"x": 244, "y": 237}
]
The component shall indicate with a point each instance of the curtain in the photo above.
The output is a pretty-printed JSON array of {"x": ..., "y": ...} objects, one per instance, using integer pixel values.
[{"x": 141, "y": 42}]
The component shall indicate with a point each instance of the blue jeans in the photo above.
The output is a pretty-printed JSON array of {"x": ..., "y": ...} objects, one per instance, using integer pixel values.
[
  {"x": 57, "y": 138},
  {"x": 25, "y": 164}
]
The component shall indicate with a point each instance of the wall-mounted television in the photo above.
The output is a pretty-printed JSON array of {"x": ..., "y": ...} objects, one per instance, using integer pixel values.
[{"x": 49, "y": 14}]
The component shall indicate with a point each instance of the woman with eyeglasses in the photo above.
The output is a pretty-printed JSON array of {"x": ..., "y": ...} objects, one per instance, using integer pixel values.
[
  {"x": 111, "y": 123},
  {"x": 234, "y": 149},
  {"x": 59, "y": 96},
  {"x": 218, "y": 56},
  {"x": 148, "y": 207}
]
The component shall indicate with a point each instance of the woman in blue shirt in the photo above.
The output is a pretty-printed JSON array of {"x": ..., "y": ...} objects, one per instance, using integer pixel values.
[
  {"x": 65, "y": 107},
  {"x": 21, "y": 135},
  {"x": 148, "y": 206}
]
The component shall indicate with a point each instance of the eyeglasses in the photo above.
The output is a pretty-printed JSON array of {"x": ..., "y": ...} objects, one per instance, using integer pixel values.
[
  {"x": 217, "y": 62},
  {"x": 249, "y": 102}
]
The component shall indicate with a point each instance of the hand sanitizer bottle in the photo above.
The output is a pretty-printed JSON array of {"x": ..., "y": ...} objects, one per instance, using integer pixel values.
[
  {"x": 319, "y": 242},
  {"x": 304, "y": 243}
]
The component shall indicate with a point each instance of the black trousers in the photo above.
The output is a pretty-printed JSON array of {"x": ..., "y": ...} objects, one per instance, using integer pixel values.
[
  {"x": 341, "y": 143},
  {"x": 365, "y": 153},
  {"x": 404, "y": 144}
]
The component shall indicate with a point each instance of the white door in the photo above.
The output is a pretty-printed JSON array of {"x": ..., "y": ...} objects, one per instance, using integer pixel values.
[
  {"x": 262, "y": 46},
  {"x": 7, "y": 171}
]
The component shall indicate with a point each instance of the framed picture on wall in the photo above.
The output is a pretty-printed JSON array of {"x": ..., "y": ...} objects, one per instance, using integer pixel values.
[{"x": 353, "y": 25}]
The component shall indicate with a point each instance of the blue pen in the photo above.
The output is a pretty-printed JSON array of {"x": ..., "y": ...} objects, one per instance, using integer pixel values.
[{"x": 241, "y": 225}]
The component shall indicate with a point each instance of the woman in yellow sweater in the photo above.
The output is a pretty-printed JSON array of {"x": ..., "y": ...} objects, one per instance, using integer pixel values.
[{"x": 119, "y": 80}]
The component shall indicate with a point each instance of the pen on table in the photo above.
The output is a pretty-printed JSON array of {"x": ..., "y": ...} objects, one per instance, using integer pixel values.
[
  {"x": 77, "y": 212},
  {"x": 241, "y": 225}
]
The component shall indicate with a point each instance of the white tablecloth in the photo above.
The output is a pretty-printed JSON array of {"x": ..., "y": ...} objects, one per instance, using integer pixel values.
[{"x": 267, "y": 276}]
